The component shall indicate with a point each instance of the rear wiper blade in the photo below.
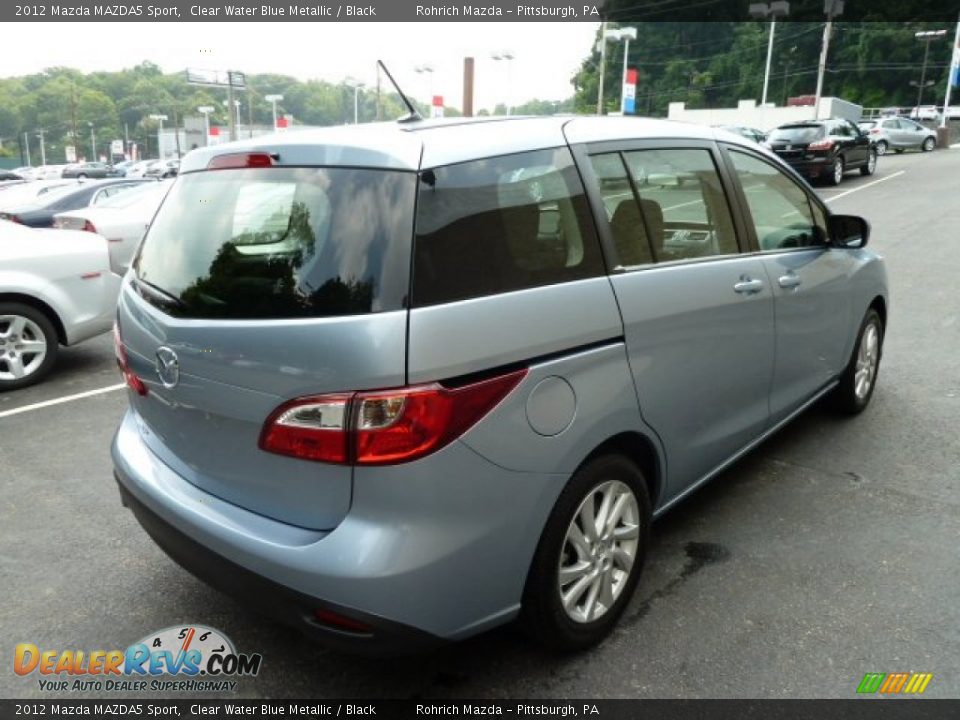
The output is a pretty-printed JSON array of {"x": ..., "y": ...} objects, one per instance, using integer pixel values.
[{"x": 157, "y": 293}]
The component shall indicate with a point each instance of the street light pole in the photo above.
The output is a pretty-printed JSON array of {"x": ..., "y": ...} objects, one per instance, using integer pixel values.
[
  {"x": 603, "y": 66},
  {"x": 43, "y": 148},
  {"x": 93, "y": 143},
  {"x": 926, "y": 36},
  {"x": 832, "y": 9},
  {"x": 160, "y": 119},
  {"x": 762, "y": 11},
  {"x": 766, "y": 72},
  {"x": 951, "y": 72},
  {"x": 273, "y": 100}
]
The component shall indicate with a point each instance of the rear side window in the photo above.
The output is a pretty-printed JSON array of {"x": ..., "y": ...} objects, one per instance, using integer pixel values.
[
  {"x": 280, "y": 243},
  {"x": 502, "y": 224}
]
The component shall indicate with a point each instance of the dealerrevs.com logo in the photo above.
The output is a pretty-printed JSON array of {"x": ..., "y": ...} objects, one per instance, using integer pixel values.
[{"x": 187, "y": 658}]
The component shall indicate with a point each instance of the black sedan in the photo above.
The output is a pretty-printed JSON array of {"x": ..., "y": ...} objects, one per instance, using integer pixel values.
[
  {"x": 824, "y": 149},
  {"x": 40, "y": 214},
  {"x": 91, "y": 170}
]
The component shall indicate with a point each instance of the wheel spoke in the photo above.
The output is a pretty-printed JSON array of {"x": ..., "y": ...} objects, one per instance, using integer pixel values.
[
  {"x": 32, "y": 347},
  {"x": 578, "y": 541},
  {"x": 616, "y": 513},
  {"x": 627, "y": 531},
  {"x": 573, "y": 595},
  {"x": 15, "y": 365},
  {"x": 569, "y": 573},
  {"x": 588, "y": 520},
  {"x": 606, "y": 505},
  {"x": 622, "y": 559},
  {"x": 590, "y": 608},
  {"x": 606, "y": 589},
  {"x": 17, "y": 324}
]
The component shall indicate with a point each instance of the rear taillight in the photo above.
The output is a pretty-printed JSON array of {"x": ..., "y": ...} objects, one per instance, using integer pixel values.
[
  {"x": 88, "y": 227},
  {"x": 132, "y": 381},
  {"x": 820, "y": 145},
  {"x": 874, "y": 131},
  {"x": 383, "y": 427}
]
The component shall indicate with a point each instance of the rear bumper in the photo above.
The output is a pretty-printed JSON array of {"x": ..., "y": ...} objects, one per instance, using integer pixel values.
[
  {"x": 811, "y": 168},
  {"x": 435, "y": 550},
  {"x": 273, "y": 599}
]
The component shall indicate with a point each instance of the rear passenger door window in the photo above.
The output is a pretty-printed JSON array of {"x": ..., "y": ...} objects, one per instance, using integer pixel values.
[
  {"x": 781, "y": 212},
  {"x": 502, "y": 224},
  {"x": 684, "y": 208},
  {"x": 630, "y": 236}
]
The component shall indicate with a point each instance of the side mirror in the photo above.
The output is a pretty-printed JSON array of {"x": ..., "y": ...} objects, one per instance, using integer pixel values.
[{"x": 849, "y": 231}]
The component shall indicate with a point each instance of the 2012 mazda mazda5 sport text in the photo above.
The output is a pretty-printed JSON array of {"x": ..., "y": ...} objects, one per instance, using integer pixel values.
[{"x": 402, "y": 383}]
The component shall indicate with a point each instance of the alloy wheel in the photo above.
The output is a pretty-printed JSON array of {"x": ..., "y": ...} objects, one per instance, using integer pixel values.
[
  {"x": 882, "y": 148},
  {"x": 868, "y": 355},
  {"x": 23, "y": 346},
  {"x": 837, "y": 171},
  {"x": 598, "y": 551}
]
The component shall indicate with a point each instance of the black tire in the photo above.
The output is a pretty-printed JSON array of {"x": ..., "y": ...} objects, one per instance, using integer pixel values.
[
  {"x": 845, "y": 398},
  {"x": 82, "y": 176},
  {"x": 871, "y": 165},
  {"x": 49, "y": 333},
  {"x": 928, "y": 144},
  {"x": 543, "y": 615},
  {"x": 882, "y": 147},
  {"x": 834, "y": 177},
  {"x": 898, "y": 151}
]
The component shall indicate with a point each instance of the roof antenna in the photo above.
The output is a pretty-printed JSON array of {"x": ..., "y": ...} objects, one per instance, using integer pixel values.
[{"x": 413, "y": 115}]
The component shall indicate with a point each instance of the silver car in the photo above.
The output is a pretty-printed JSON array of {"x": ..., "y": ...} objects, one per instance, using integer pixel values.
[
  {"x": 398, "y": 384},
  {"x": 898, "y": 134}
]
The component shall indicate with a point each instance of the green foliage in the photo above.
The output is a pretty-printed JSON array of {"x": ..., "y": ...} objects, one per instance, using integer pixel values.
[{"x": 715, "y": 64}]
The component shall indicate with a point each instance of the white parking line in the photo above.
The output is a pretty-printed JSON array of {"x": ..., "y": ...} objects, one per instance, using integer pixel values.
[
  {"x": 863, "y": 187},
  {"x": 61, "y": 400}
]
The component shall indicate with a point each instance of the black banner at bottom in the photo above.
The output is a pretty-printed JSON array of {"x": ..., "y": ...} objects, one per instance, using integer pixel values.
[{"x": 856, "y": 709}]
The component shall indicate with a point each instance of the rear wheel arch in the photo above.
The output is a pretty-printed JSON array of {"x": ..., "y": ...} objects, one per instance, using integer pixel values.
[
  {"x": 42, "y": 307},
  {"x": 641, "y": 450}
]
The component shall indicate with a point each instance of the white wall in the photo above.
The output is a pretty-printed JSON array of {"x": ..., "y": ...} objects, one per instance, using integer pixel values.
[{"x": 765, "y": 118}]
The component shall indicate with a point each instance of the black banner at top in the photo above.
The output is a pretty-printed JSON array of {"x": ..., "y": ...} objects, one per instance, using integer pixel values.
[{"x": 475, "y": 11}]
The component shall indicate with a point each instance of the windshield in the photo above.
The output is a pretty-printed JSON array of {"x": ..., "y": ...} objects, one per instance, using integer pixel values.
[
  {"x": 280, "y": 243},
  {"x": 798, "y": 134}
]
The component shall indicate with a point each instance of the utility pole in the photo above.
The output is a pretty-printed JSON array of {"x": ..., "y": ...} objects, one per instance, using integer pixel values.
[
  {"x": 603, "y": 66},
  {"x": 250, "y": 110},
  {"x": 26, "y": 143},
  {"x": 43, "y": 149},
  {"x": 231, "y": 108},
  {"x": 832, "y": 8},
  {"x": 927, "y": 36},
  {"x": 951, "y": 74},
  {"x": 73, "y": 117}
]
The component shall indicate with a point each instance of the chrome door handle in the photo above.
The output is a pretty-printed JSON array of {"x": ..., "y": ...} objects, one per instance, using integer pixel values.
[
  {"x": 790, "y": 280},
  {"x": 748, "y": 286}
]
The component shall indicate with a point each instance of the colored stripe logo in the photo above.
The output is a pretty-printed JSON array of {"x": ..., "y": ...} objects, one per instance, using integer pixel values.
[{"x": 895, "y": 683}]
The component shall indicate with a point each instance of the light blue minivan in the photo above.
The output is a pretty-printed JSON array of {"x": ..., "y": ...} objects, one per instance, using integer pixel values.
[{"x": 400, "y": 383}]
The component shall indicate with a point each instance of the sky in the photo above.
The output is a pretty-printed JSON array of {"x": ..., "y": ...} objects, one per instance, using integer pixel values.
[{"x": 546, "y": 54}]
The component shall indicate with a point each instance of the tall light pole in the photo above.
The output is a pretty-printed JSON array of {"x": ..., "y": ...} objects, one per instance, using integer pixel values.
[
  {"x": 603, "y": 65},
  {"x": 273, "y": 100},
  {"x": 160, "y": 119},
  {"x": 832, "y": 8},
  {"x": 507, "y": 56},
  {"x": 427, "y": 70},
  {"x": 762, "y": 11},
  {"x": 206, "y": 110},
  {"x": 926, "y": 36},
  {"x": 93, "y": 143},
  {"x": 43, "y": 149},
  {"x": 626, "y": 34},
  {"x": 951, "y": 74}
]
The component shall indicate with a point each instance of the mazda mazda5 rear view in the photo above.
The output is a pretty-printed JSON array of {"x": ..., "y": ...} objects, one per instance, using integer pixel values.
[{"x": 399, "y": 384}]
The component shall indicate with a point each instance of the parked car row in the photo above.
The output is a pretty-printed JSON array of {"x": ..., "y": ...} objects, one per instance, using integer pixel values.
[
  {"x": 95, "y": 170},
  {"x": 64, "y": 245}
]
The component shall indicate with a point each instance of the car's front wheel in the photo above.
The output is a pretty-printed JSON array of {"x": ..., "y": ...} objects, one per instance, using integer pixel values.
[
  {"x": 859, "y": 378},
  {"x": 929, "y": 144},
  {"x": 881, "y": 147},
  {"x": 871, "y": 165},
  {"x": 28, "y": 345},
  {"x": 590, "y": 555}
]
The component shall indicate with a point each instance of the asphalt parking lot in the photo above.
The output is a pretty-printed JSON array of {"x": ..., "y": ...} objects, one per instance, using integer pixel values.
[{"x": 831, "y": 551}]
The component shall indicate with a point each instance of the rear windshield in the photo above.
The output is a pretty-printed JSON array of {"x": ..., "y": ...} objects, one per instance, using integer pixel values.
[
  {"x": 280, "y": 243},
  {"x": 798, "y": 134}
]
